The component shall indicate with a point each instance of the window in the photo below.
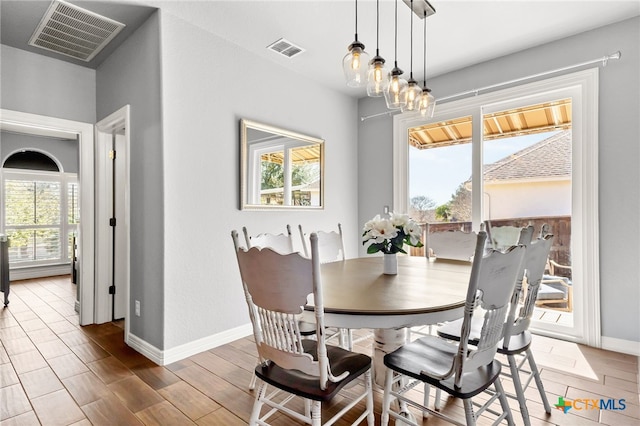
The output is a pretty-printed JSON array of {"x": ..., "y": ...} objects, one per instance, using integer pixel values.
[
  {"x": 289, "y": 174},
  {"x": 35, "y": 216},
  {"x": 439, "y": 171}
]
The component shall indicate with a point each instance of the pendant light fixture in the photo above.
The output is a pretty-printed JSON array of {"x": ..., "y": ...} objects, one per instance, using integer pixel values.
[
  {"x": 355, "y": 61},
  {"x": 426, "y": 102},
  {"x": 378, "y": 74},
  {"x": 396, "y": 83},
  {"x": 412, "y": 92}
]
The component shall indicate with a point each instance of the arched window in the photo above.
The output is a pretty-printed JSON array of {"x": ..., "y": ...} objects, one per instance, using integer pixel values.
[{"x": 31, "y": 160}]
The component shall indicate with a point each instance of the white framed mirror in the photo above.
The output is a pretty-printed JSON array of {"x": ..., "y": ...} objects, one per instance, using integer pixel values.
[{"x": 280, "y": 169}]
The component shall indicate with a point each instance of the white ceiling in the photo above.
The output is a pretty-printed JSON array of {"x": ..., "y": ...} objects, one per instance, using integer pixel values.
[{"x": 460, "y": 34}]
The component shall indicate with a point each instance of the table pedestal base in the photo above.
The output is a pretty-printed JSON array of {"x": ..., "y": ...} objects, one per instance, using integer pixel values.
[{"x": 386, "y": 341}]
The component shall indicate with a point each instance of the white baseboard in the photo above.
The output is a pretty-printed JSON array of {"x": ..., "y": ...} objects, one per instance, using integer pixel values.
[
  {"x": 146, "y": 349},
  {"x": 17, "y": 274},
  {"x": 620, "y": 345},
  {"x": 178, "y": 353}
]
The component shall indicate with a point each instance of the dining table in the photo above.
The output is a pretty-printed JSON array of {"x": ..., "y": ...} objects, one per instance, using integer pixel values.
[{"x": 357, "y": 294}]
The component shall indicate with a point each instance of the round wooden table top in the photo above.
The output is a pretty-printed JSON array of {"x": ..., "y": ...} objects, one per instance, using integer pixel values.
[{"x": 422, "y": 286}]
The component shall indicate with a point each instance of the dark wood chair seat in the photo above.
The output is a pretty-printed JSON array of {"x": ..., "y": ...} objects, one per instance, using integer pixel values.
[
  {"x": 301, "y": 384},
  {"x": 433, "y": 355},
  {"x": 517, "y": 344}
]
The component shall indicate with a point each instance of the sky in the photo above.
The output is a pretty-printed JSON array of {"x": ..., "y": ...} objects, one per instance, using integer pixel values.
[{"x": 436, "y": 173}]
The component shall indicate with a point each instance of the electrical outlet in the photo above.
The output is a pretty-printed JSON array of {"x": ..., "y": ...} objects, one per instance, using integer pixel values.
[{"x": 137, "y": 308}]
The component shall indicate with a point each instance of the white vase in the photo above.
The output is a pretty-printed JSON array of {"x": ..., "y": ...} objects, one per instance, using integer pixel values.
[{"x": 390, "y": 266}]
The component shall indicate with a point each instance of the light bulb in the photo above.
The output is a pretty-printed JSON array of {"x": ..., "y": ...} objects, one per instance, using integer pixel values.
[
  {"x": 426, "y": 103},
  {"x": 395, "y": 85},
  {"x": 355, "y": 62},
  {"x": 377, "y": 74}
]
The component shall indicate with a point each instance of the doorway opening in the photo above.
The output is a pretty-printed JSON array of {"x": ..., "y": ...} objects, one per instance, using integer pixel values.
[{"x": 50, "y": 127}]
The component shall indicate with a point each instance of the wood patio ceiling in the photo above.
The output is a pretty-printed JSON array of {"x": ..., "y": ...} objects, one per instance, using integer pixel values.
[
  {"x": 299, "y": 155},
  {"x": 532, "y": 119}
]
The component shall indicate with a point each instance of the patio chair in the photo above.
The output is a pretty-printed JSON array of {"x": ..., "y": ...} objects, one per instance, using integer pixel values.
[
  {"x": 555, "y": 290},
  {"x": 277, "y": 287},
  {"x": 517, "y": 339},
  {"x": 461, "y": 369}
]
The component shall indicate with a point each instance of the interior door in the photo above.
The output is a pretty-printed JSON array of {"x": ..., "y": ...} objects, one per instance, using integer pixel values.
[
  {"x": 112, "y": 217},
  {"x": 117, "y": 252}
]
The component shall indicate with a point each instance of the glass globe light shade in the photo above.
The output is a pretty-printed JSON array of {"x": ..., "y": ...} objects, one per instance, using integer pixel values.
[
  {"x": 392, "y": 94},
  {"x": 412, "y": 95},
  {"x": 377, "y": 77},
  {"x": 426, "y": 103},
  {"x": 354, "y": 65}
]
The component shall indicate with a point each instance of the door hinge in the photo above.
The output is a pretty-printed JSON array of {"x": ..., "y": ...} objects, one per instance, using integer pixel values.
[
  {"x": 112, "y": 289},
  {"x": 112, "y": 154},
  {"x": 112, "y": 221}
]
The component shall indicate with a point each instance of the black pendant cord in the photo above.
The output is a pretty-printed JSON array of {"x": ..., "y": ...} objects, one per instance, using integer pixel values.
[
  {"x": 356, "y": 36},
  {"x": 411, "y": 45},
  {"x": 424, "y": 76},
  {"x": 395, "y": 57},
  {"x": 377, "y": 27}
]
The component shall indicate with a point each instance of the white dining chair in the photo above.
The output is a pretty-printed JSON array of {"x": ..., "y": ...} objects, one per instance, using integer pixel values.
[
  {"x": 451, "y": 245},
  {"x": 330, "y": 249},
  {"x": 276, "y": 288},
  {"x": 330, "y": 244},
  {"x": 516, "y": 343},
  {"x": 459, "y": 368},
  {"x": 282, "y": 243}
]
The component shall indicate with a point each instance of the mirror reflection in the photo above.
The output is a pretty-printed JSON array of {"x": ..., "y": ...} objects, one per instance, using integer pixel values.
[{"x": 280, "y": 168}]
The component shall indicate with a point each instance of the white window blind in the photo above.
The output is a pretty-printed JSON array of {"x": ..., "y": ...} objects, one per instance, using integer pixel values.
[{"x": 38, "y": 219}]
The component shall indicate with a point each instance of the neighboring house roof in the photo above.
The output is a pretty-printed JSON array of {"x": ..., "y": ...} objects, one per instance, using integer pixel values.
[{"x": 548, "y": 158}]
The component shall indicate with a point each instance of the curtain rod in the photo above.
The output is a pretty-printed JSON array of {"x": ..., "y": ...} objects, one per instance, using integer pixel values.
[{"x": 604, "y": 60}]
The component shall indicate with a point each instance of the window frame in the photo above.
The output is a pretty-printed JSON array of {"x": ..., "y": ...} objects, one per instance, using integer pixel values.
[
  {"x": 64, "y": 179},
  {"x": 582, "y": 87}
]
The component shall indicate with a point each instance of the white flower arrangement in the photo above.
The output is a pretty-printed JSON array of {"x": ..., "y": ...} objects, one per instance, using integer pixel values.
[{"x": 389, "y": 235}]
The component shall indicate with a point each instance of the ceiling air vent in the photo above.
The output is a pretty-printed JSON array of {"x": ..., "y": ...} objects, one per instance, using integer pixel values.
[
  {"x": 72, "y": 31},
  {"x": 285, "y": 48}
]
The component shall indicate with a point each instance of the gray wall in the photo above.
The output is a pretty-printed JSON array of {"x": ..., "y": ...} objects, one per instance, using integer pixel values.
[
  {"x": 64, "y": 150},
  {"x": 208, "y": 85},
  {"x": 131, "y": 75},
  {"x": 50, "y": 87},
  {"x": 619, "y": 153}
]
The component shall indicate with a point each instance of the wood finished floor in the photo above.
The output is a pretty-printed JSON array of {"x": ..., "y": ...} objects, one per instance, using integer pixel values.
[{"x": 54, "y": 372}]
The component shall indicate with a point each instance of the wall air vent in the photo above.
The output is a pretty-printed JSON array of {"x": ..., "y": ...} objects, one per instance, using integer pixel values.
[
  {"x": 72, "y": 31},
  {"x": 285, "y": 48}
]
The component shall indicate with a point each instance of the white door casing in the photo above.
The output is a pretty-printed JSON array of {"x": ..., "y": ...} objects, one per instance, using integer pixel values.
[
  {"x": 35, "y": 124},
  {"x": 116, "y": 124}
]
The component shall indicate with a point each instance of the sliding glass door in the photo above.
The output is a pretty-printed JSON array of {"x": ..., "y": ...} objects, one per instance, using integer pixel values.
[{"x": 514, "y": 158}]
